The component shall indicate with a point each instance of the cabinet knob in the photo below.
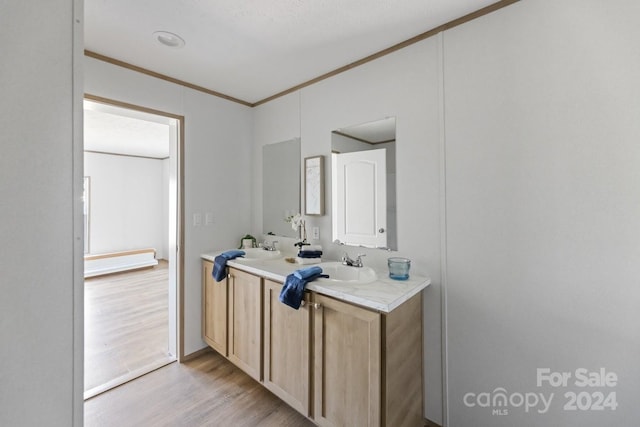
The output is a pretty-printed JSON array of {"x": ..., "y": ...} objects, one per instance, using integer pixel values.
[
  {"x": 303, "y": 303},
  {"x": 317, "y": 305}
]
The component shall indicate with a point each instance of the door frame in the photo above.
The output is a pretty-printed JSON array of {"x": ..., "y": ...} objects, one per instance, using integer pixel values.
[{"x": 179, "y": 211}]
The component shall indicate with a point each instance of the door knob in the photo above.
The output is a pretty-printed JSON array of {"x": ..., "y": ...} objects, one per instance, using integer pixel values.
[{"x": 381, "y": 230}]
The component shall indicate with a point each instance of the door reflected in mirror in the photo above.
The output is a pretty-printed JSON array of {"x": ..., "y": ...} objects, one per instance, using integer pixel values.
[
  {"x": 363, "y": 184},
  {"x": 280, "y": 187}
]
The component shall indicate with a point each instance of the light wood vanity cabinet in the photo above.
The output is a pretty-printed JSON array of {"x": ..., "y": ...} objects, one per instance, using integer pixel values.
[
  {"x": 287, "y": 341},
  {"x": 337, "y": 363},
  {"x": 347, "y": 352},
  {"x": 245, "y": 322},
  {"x": 232, "y": 317},
  {"x": 214, "y": 310},
  {"x": 388, "y": 344},
  {"x": 365, "y": 366}
]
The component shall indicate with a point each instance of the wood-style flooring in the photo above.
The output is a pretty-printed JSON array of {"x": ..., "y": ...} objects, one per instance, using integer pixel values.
[
  {"x": 205, "y": 391},
  {"x": 125, "y": 326}
]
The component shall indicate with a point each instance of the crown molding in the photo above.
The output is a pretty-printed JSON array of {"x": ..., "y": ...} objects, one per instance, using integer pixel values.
[{"x": 430, "y": 33}]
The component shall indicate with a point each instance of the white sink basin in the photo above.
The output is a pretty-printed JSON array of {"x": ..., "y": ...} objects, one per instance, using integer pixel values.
[
  {"x": 339, "y": 273},
  {"x": 260, "y": 254}
]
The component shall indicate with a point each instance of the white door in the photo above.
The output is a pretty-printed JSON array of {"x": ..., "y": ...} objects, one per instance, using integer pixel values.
[{"x": 360, "y": 213}]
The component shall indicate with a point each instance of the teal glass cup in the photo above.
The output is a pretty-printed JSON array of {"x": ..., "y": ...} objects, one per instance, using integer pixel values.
[{"x": 399, "y": 268}]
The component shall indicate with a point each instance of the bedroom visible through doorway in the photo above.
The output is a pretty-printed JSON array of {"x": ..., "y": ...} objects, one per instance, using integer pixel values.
[{"x": 132, "y": 225}]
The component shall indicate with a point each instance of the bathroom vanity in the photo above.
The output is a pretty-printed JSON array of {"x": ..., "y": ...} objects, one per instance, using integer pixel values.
[{"x": 350, "y": 356}]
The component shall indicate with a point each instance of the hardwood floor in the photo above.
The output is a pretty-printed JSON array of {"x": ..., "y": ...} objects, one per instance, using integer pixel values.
[
  {"x": 206, "y": 391},
  {"x": 126, "y": 326}
]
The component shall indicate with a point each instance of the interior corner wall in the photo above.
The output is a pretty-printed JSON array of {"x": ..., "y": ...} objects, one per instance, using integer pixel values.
[
  {"x": 542, "y": 171},
  {"x": 126, "y": 203},
  {"x": 40, "y": 373},
  {"x": 217, "y": 145}
]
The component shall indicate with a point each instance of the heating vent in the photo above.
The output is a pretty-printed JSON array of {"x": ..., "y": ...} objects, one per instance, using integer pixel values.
[{"x": 96, "y": 265}]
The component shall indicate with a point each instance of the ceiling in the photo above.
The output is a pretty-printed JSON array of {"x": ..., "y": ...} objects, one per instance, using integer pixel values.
[
  {"x": 253, "y": 49},
  {"x": 115, "y": 130},
  {"x": 376, "y": 132}
]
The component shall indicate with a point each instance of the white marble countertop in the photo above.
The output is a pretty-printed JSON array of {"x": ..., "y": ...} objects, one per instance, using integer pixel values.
[{"x": 383, "y": 295}]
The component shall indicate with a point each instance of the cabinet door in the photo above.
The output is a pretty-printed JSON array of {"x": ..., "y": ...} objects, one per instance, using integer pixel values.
[
  {"x": 287, "y": 363},
  {"x": 245, "y": 322},
  {"x": 214, "y": 310},
  {"x": 347, "y": 354}
]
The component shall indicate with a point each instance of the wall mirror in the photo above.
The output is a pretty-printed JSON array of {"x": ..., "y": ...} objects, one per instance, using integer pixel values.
[
  {"x": 280, "y": 186},
  {"x": 363, "y": 184}
]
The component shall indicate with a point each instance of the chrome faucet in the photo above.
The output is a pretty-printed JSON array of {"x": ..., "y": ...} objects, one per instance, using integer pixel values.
[
  {"x": 352, "y": 262},
  {"x": 270, "y": 246}
]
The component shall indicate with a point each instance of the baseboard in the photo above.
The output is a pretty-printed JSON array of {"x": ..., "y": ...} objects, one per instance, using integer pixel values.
[
  {"x": 129, "y": 376},
  {"x": 429, "y": 423},
  {"x": 195, "y": 354}
]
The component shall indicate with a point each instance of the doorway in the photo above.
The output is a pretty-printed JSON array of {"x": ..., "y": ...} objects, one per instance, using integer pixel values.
[{"x": 133, "y": 250}]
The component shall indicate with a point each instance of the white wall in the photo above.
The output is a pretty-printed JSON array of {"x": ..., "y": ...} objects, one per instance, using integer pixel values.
[
  {"x": 40, "y": 213},
  {"x": 536, "y": 107},
  {"x": 128, "y": 203},
  {"x": 542, "y": 171},
  {"x": 403, "y": 85},
  {"x": 217, "y": 146}
]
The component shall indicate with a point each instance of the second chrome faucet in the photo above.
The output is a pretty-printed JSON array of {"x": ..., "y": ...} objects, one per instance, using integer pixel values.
[{"x": 346, "y": 260}]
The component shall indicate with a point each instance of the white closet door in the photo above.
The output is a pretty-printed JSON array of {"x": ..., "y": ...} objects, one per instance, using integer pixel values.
[{"x": 361, "y": 190}]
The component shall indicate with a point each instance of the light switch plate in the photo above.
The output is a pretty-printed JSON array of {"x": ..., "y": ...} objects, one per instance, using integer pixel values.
[{"x": 316, "y": 233}]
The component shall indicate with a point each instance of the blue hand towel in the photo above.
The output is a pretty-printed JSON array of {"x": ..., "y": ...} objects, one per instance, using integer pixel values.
[
  {"x": 220, "y": 263},
  {"x": 305, "y": 273},
  {"x": 233, "y": 254},
  {"x": 293, "y": 289},
  {"x": 310, "y": 254}
]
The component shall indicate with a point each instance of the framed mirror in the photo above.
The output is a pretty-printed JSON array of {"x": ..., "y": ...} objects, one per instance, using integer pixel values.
[
  {"x": 280, "y": 186},
  {"x": 363, "y": 184},
  {"x": 314, "y": 185}
]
